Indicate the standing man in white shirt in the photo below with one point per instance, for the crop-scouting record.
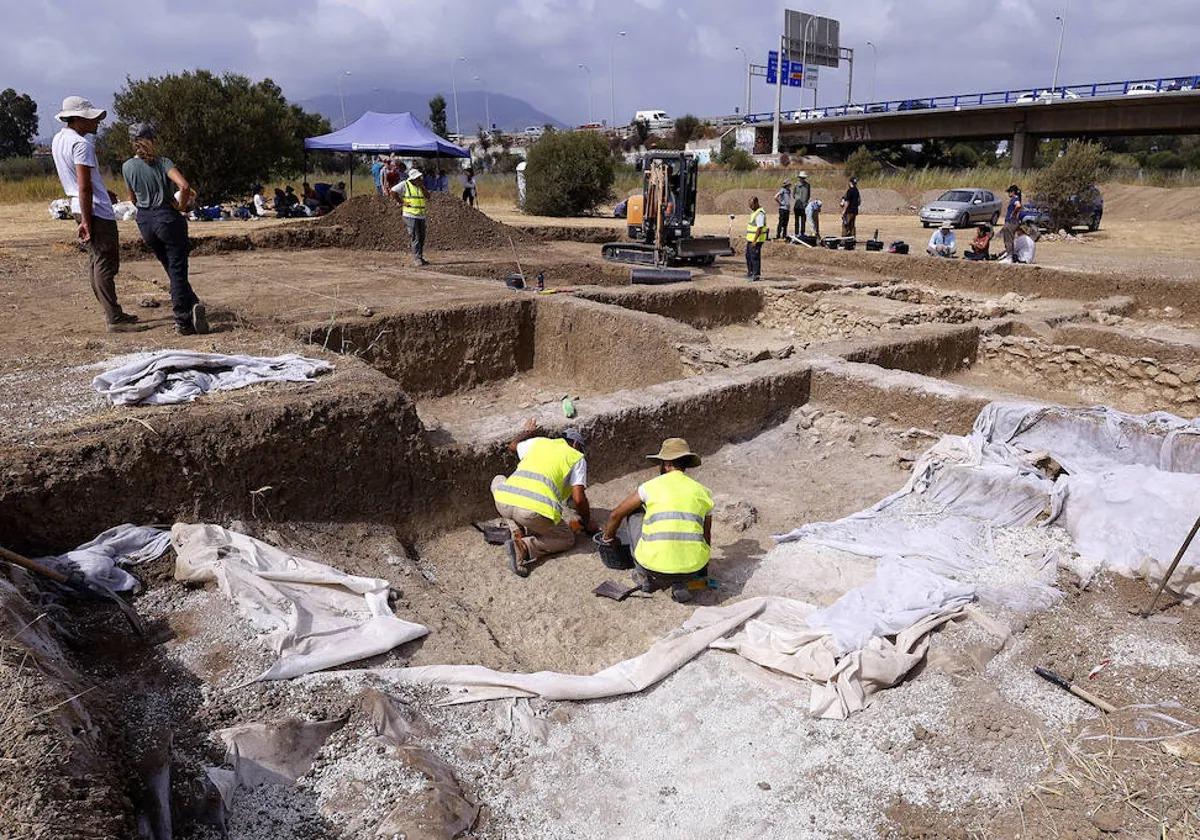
(74, 151)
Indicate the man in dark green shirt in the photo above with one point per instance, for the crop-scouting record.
(151, 180)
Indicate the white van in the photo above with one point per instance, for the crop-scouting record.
(656, 119)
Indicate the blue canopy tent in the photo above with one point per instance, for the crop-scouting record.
(375, 133)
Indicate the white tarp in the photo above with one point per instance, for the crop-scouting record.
(314, 616)
(769, 631)
(98, 559)
(176, 376)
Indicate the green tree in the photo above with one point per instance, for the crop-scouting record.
(437, 115)
(18, 124)
(728, 144)
(570, 172)
(687, 128)
(1057, 187)
(739, 160)
(226, 133)
(862, 164)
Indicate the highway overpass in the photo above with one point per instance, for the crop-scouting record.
(1176, 112)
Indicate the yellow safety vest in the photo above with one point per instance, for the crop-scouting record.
(540, 482)
(672, 539)
(756, 228)
(414, 201)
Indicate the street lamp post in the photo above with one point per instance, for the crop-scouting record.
(874, 68)
(487, 108)
(341, 97)
(1062, 20)
(588, 70)
(612, 82)
(454, 88)
(746, 67)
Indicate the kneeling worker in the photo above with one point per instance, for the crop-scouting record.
(532, 498)
(673, 536)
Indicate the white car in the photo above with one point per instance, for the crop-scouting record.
(1046, 97)
(1142, 89)
(799, 116)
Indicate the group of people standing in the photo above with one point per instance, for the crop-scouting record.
(795, 203)
(666, 521)
(155, 186)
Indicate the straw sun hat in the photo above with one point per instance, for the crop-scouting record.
(676, 449)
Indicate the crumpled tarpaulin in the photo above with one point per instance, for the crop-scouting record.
(98, 559)
(166, 377)
(315, 616)
(770, 631)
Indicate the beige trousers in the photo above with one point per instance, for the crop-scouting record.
(542, 536)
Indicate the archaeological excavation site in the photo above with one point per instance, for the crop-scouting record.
(253, 585)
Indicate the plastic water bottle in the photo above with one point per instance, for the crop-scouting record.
(568, 407)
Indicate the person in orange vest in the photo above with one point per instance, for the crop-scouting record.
(532, 499)
(756, 235)
(669, 522)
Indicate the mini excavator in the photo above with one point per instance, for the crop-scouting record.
(660, 219)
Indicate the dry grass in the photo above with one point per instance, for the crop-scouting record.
(34, 188)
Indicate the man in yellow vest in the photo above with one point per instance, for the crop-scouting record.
(672, 537)
(551, 470)
(414, 198)
(756, 235)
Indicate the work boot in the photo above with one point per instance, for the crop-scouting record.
(680, 593)
(185, 329)
(518, 555)
(123, 327)
(123, 318)
(641, 580)
(200, 319)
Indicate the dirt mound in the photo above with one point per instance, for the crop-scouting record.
(374, 223)
(1135, 202)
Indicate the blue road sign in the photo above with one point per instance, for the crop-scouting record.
(793, 71)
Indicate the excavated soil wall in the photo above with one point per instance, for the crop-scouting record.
(599, 348)
(701, 308)
(930, 350)
(342, 450)
(438, 351)
(1170, 350)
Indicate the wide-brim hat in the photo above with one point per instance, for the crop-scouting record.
(413, 174)
(802, 175)
(77, 106)
(947, 226)
(676, 449)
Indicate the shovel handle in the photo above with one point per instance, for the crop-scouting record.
(32, 566)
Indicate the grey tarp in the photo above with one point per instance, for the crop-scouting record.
(176, 376)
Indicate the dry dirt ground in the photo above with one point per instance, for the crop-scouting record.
(972, 746)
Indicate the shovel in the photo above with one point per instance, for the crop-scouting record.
(77, 582)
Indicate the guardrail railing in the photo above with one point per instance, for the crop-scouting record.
(1022, 96)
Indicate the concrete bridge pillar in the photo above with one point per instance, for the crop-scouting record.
(1024, 150)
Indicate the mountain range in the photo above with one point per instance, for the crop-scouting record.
(474, 106)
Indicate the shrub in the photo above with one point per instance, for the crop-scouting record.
(1073, 174)
(861, 164)
(687, 128)
(1164, 160)
(739, 160)
(568, 173)
(728, 144)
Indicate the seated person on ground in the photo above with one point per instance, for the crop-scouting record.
(980, 245)
(260, 202)
(669, 523)
(337, 194)
(942, 243)
(531, 500)
(1023, 246)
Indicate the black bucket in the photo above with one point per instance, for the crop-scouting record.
(614, 555)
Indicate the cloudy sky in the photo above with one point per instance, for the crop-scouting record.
(678, 56)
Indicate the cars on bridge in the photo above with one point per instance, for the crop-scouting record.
(962, 207)
(1047, 97)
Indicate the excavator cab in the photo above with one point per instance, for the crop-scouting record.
(660, 219)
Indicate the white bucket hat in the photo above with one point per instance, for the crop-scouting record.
(77, 106)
